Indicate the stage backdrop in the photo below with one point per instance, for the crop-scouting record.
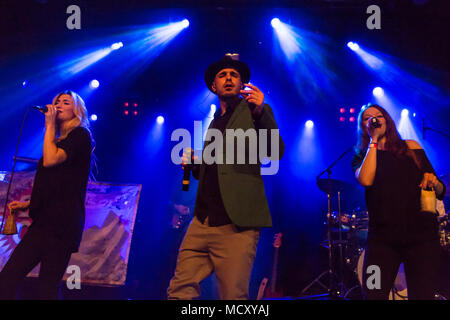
(105, 246)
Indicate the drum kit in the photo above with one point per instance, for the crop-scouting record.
(345, 242)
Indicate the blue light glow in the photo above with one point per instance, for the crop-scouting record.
(94, 84)
(160, 120)
(94, 117)
(185, 23)
(275, 23)
(378, 92)
(405, 113)
(353, 45)
(309, 124)
(117, 45)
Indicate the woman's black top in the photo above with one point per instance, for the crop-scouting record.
(58, 195)
(393, 200)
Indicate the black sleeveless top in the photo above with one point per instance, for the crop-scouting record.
(393, 200)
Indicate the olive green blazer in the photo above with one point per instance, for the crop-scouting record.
(241, 185)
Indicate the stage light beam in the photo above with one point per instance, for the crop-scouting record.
(94, 84)
(116, 45)
(309, 124)
(353, 46)
(185, 23)
(378, 92)
(160, 120)
(275, 23)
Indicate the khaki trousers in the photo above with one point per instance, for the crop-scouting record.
(225, 250)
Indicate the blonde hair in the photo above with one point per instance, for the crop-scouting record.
(81, 115)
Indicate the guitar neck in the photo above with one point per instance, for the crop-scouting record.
(273, 281)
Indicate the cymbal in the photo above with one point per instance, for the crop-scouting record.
(332, 186)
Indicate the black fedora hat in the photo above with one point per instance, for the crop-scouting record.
(228, 61)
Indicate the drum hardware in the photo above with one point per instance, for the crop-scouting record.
(336, 288)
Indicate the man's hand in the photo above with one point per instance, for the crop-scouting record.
(184, 159)
(254, 96)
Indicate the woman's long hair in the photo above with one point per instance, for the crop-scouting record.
(394, 143)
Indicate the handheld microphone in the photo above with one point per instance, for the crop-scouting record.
(374, 123)
(39, 108)
(187, 170)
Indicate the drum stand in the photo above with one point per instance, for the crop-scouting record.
(336, 288)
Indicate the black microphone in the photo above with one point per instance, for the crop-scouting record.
(374, 123)
(187, 170)
(39, 108)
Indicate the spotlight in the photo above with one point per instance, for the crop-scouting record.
(378, 92)
(125, 112)
(25, 83)
(126, 104)
(185, 23)
(160, 120)
(341, 119)
(353, 45)
(405, 113)
(351, 119)
(352, 110)
(414, 114)
(93, 117)
(342, 110)
(135, 112)
(116, 45)
(275, 23)
(94, 84)
(309, 124)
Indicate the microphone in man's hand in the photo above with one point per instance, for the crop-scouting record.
(39, 108)
(374, 123)
(187, 169)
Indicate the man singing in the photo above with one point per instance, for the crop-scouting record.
(231, 205)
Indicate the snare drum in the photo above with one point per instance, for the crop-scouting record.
(399, 291)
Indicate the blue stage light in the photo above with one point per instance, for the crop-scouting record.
(93, 117)
(378, 92)
(353, 45)
(94, 84)
(25, 83)
(160, 120)
(185, 23)
(275, 23)
(117, 45)
(405, 112)
(309, 124)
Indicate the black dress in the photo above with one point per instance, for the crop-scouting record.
(398, 230)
